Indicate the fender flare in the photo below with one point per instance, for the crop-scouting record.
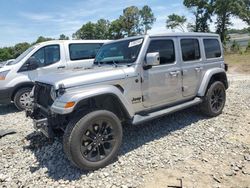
(78, 95)
(206, 79)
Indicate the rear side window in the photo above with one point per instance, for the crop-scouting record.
(83, 51)
(190, 49)
(47, 55)
(212, 48)
(165, 49)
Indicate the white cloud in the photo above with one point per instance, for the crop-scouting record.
(238, 23)
(36, 17)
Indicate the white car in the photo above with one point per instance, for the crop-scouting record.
(16, 79)
(8, 62)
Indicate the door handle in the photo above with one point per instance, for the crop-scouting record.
(198, 69)
(174, 73)
(61, 67)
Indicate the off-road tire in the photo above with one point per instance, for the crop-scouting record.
(76, 130)
(18, 95)
(208, 107)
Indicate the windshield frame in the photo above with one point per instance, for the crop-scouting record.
(22, 56)
(115, 60)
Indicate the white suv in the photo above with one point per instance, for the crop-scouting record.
(16, 78)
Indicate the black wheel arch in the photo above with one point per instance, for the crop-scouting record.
(108, 102)
(221, 76)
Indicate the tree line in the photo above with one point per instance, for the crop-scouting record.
(204, 10)
(134, 21)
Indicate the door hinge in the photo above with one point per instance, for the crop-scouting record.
(182, 89)
(142, 98)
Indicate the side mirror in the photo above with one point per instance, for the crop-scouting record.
(32, 63)
(152, 59)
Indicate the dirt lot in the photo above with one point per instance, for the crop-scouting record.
(238, 63)
(186, 145)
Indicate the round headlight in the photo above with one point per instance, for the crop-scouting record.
(53, 93)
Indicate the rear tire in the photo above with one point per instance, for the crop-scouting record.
(93, 140)
(215, 99)
(22, 98)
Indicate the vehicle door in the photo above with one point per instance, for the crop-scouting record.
(82, 54)
(45, 60)
(192, 65)
(162, 83)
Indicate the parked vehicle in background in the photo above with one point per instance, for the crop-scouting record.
(134, 80)
(16, 78)
(8, 62)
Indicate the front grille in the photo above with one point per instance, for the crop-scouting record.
(42, 94)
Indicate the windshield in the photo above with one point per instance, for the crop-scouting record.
(123, 52)
(20, 57)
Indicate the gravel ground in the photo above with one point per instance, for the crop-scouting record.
(201, 152)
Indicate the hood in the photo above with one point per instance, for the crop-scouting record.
(74, 78)
(5, 68)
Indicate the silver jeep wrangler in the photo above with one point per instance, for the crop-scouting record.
(133, 80)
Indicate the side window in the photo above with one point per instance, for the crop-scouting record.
(47, 55)
(190, 49)
(83, 51)
(165, 49)
(212, 48)
(52, 54)
(39, 56)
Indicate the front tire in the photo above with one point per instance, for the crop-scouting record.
(92, 141)
(215, 99)
(22, 98)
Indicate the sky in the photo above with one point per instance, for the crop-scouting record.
(26, 20)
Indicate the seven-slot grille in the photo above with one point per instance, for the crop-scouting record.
(42, 94)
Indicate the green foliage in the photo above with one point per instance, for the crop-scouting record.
(132, 22)
(227, 9)
(202, 10)
(147, 18)
(63, 37)
(235, 47)
(20, 48)
(42, 39)
(115, 29)
(224, 10)
(87, 31)
(13, 52)
(175, 21)
(6, 53)
(102, 29)
(99, 30)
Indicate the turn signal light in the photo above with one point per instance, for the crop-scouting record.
(69, 104)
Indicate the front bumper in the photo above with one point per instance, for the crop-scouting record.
(5, 95)
(45, 121)
(41, 120)
(43, 126)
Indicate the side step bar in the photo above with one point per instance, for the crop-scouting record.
(142, 118)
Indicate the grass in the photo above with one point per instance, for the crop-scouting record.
(238, 62)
